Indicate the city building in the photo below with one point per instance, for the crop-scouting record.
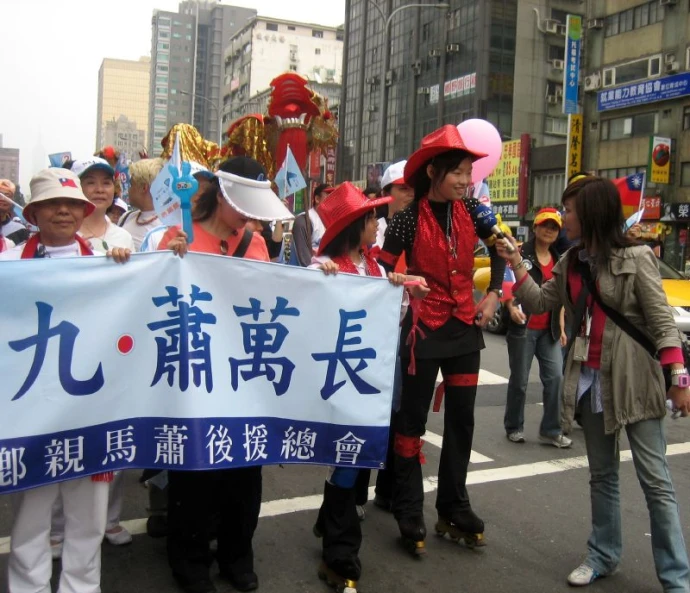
(636, 87)
(265, 48)
(9, 163)
(123, 91)
(125, 135)
(187, 66)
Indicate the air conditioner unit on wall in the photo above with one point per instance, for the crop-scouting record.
(595, 24)
(562, 30)
(417, 67)
(434, 53)
(423, 90)
(551, 26)
(668, 58)
(671, 67)
(557, 64)
(453, 48)
(371, 107)
(372, 80)
(552, 99)
(592, 82)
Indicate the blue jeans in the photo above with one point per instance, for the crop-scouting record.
(522, 348)
(648, 446)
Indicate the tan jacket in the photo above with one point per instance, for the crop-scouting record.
(632, 383)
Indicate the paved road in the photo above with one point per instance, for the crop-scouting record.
(533, 498)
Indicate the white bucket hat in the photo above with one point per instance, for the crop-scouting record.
(54, 183)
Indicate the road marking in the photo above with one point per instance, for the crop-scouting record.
(485, 378)
(437, 440)
(274, 508)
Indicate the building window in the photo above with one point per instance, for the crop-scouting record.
(558, 126)
(640, 16)
(556, 52)
(163, 46)
(317, 51)
(188, 37)
(293, 67)
(686, 117)
(271, 26)
(685, 174)
(317, 34)
(161, 79)
(163, 22)
(642, 124)
(633, 71)
(161, 68)
(163, 35)
(291, 28)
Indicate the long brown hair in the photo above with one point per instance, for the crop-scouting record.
(598, 208)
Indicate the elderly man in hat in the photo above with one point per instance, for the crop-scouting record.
(58, 207)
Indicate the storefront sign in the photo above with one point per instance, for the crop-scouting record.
(680, 211)
(571, 72)
(640, 93)
(652, 208)
(574, 164)
(504, 181)
(659, 159)
(330, 165)
(454, 88)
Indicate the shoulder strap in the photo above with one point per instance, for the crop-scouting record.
(244, 244)
(618, 318)
(125, 217)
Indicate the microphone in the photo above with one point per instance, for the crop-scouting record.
(485, 221)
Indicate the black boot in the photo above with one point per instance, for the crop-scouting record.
(342, 534)
(413, 533)
(465, 525)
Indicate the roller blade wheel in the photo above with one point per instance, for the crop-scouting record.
(335, 581)
(466, 527)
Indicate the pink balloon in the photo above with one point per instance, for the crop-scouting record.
(482, 136)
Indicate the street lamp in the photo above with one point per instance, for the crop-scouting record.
(385, 63)
(215, 106)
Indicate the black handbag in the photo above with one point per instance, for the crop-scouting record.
(620, 320)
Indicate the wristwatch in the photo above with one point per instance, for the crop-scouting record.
(498, 291)
(680, 378)
(524, 263)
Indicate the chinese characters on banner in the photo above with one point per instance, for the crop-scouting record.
(330, 165)
(659, 159)
(571, 72)
(640, 93)
(202, 364)
(574, 153)
(505, 180)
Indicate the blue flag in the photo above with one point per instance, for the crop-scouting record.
(289, 178)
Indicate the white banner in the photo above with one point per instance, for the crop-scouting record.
(196, 363)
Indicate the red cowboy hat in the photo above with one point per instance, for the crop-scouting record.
(345, 204)
(444, 139)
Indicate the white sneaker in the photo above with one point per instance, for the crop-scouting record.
(585, 575)
(55, 550)
(121, 537)
(560, 441)
(516, 437)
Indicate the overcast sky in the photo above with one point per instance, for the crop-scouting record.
(51, 52)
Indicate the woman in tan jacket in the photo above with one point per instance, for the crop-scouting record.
(611, 382)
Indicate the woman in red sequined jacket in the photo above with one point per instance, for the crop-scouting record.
(443, 331)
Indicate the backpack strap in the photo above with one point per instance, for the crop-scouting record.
(244, 244)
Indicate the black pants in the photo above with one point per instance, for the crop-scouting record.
(458, 430)
(194, 499)
(341, 529)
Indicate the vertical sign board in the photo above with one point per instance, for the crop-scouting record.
(571, 72)
(659, 159)
(574, 152)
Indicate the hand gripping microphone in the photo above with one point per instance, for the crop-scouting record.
(485, 222)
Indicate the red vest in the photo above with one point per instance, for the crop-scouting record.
(448, 277)
(347, 266)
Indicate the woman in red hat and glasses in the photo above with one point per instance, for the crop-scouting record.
(351, 225)
(437, 236)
